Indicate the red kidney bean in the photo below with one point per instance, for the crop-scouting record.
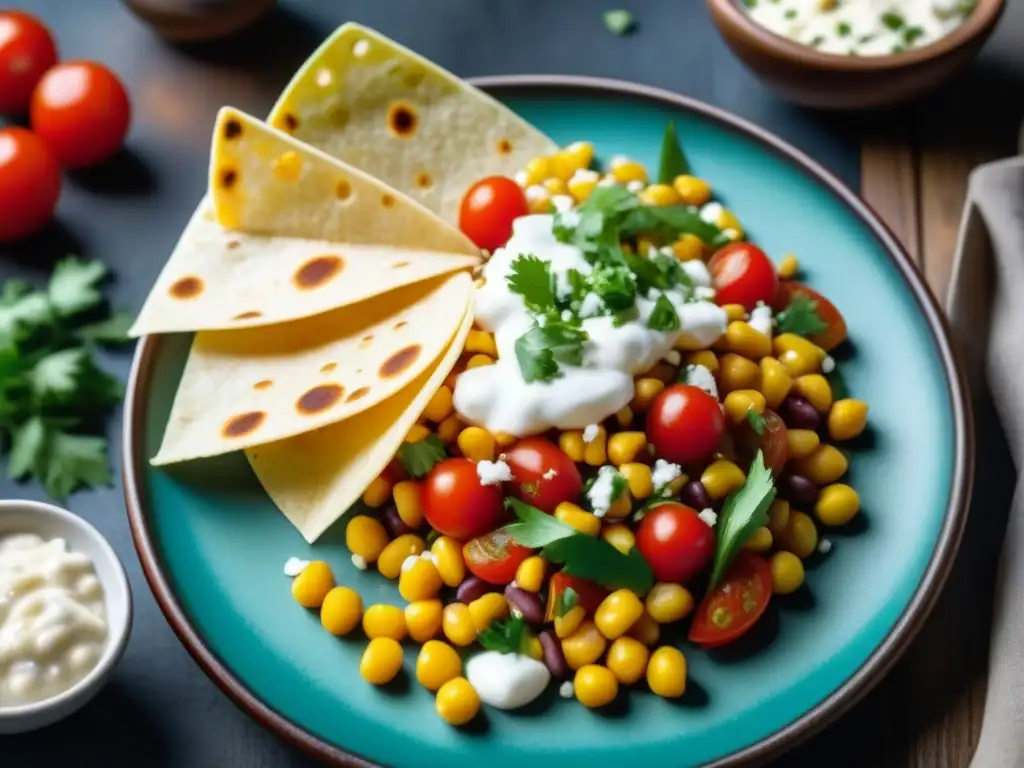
(527, 603)
(395, 524)
(695, 495)
(472, 588)
(798, 413)
(554, 659)
(798, 490)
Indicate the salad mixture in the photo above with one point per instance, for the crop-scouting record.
(564, 403)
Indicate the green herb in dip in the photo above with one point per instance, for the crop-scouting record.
(861, 27)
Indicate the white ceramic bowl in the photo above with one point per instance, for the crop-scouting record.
(51, 522)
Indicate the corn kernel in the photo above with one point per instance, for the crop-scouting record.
(638, 479)
(847, 419)
(825, 465)
(778, 517)
(581, 153)
(584, 646)
(595, 452)
(775, 382)
(744, 339)
(787, 573)
(423, 619)
(735, 313)
(457, 624)
(478, 361)
(486, 609)
(737, 372)
(581, 520)
(691, 190)
(739, 402)
(448, 558)
(391, 558)
(815, 388)
(625, 171)
(571, 444)
(449, 429)
(381, 661)
(837, 504)
(384, 621)
(313, 584)
(505, 439)
(659, 194)
(481, 342)
(377, 493)
(624, 417)
(421, 581)
(538, 170)
(624, 447)
(619, 536)
(669, 602)
(530, 573)
(645, 392)
(761, 541)
(704, 357)
(788, 267)
(407, 502)
(440, 406)
(800, 535)
(556, 186)
(722, 477)
(477, 444)
(365, 536)
(582, 184)
(416, 433)
(688, 248)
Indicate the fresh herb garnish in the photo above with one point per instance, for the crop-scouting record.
(535, 529)
(615, 284)
(53, 395)
(817, 41)
(790, 14)
(419, 458)
(744, 512)
(505, 635)
(619, 21)
(531, 278)
(912, 34)
(892, 20)
(750, 3)
(663, 316)
(539, 350)
(673, 160)
(801, 317)
(757, 422)
(843, 29)
(566, 602)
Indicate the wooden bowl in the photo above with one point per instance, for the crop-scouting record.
(809, 77)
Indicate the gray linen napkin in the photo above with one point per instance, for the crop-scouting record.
(986, 312)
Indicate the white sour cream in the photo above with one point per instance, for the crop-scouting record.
(860, 27)
(499, 399)
(507, 680)
(53, 624)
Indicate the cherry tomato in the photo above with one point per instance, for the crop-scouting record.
(735, 605)
(590, 594)
(828, 339)
(26, 52)
(494, 557)
(81, 110)
(457, 505)
(685, 424)
(542, 475)
(771, 442)
(29, 183)
(488, 210)
(742, 274)
(675, 542)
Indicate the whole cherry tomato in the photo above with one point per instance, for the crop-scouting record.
(456, 504)
(828, 339)
(675, 542)
(742, 274)
(494, 557)
(542, 475)
(589, 593)
(26, 52)
(29, 183)
(685, 424)
(735, 605)
(81, 110)
(772, 442)
(488, 210)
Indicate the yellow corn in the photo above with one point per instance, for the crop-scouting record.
(416, 433)
(778, 517)
(787, 573)
(530, 573)
(659, 194)
(538, 199)
(744, 339)
(800, 535)
(825, 465)
(797, 354)
(420, 581)
(477, 444)
(457, 624)
(788, 267)
(646, 630)
(571, 443)
(801, 442)
(621, 506)
(669, 602)
(584, 646)
(837, 504)
(619, 536)
(391, 558)
(666, 672)
(704, 357)
(595, 452)
(624, 447)
(617, 613)
(735, 313)
(563, 166)
(582, 521)
(663, 372)
(737, 372)
(741, 401)
(384, 621)
(688, 248)
(481, 342)
(407, 502)
(478, 361)
(624, 417)
(626, 171)
(381, 661)
(761, 541)
(727, 220)
(595, 686)
(638, 478)
(847, 419)
(311, 587)
(775, 381)
(582, 184)
(537, 170)
(645, 391)
(566, 624)
(423, 619)
(440, 406)
(447, 554)
(377, 493)
(816, 389)
(457, 702)
(342, 610)
(580, 153)
(722, 477)
(436, 664)
(366, 537)
(486, 609)
(449, 429)
(691, 190)
(627, 660)
(505, 439)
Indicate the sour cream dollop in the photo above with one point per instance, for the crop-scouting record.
(498, 398)
(507, 680)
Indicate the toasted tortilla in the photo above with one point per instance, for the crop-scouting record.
(252, 386)
(373, 103)
(314, 478)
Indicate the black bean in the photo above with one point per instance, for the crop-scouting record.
(471, 589)
(394, 523)
(798, 413)
(527, 603)
(695, 495)
(798, 490)
(553, 656)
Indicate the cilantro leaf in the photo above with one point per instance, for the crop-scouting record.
(619, 22)
(420, 457)
(673, 160)
(568, 600)
(56, 375)
(27, 445)
(595, 559)
(615, 285)
(536, 361)
(608, 201)
(757, 422)
(112, 330)
(531, 278)
(75, 460)
(535, 528)
(21, 314)
(74, 285)
(663, 316)
(801, 317)
(669, 222)
(744, 512)
(505, 636)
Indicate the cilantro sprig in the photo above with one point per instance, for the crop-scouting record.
(745, 511)
(419, 458)
(53, 396)
(801, 317)
(673, 160)
(506, 635)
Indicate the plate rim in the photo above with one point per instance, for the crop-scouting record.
(837, 703)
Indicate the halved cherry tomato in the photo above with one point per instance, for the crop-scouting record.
(26, 52)
(542, 475)
(494, 557)
(29, 183)
(742, 274)
(81, 110)
(488, 210)
(735, 605)
(590, 594)
(685, 424)
(457, 505)
(675, 542)
(836, 332)
(771, 442)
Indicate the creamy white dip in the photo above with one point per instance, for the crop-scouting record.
(53, 624)
(507, 680)
(860, 27)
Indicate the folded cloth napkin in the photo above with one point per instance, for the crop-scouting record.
(987, 318)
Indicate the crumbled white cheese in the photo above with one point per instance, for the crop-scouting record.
(360, 562)
(824, 546)
(709, 516)
(673, 357)
(711, 212)
(409, 562)
(590, 433)
(563, 203)
(600, 493)
(617, 160)
(591, 306)
(828, 364)
(698, 273)
(731, 233)
(567, 315)
(703, 293)
(493, 472)
(537, 194)
(761, 319)
(429, 556)
(701, 376)
(563, 288)
(569, 218)
(520, 178)
(607, 181)
(664, 473)
(551, 474)
(635, 186)
(567, 690)
(294, 566)
(584, 175)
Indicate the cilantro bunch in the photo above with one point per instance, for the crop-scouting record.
(54, 398)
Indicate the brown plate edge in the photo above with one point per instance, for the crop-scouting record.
(840, 700)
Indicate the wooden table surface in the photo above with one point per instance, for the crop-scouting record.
(912, 165)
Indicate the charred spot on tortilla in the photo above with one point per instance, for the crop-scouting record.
(366, 341)
(328, 367)
(399, 325)
(187, 287)
(288, 122)
(402, 119)
(319, 398)
(342, 189)
(504, 147)
(228, 177)
(232, 244)
(388, 201)
(338, 115)
(264, 384)
(232, 129)
(423, 180)
(252, 314)
(400, 264)
(399, 361)
(317, 271)
(288, 166)
(358, 393)
(244, 423)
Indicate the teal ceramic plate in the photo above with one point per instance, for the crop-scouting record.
(213, 545)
